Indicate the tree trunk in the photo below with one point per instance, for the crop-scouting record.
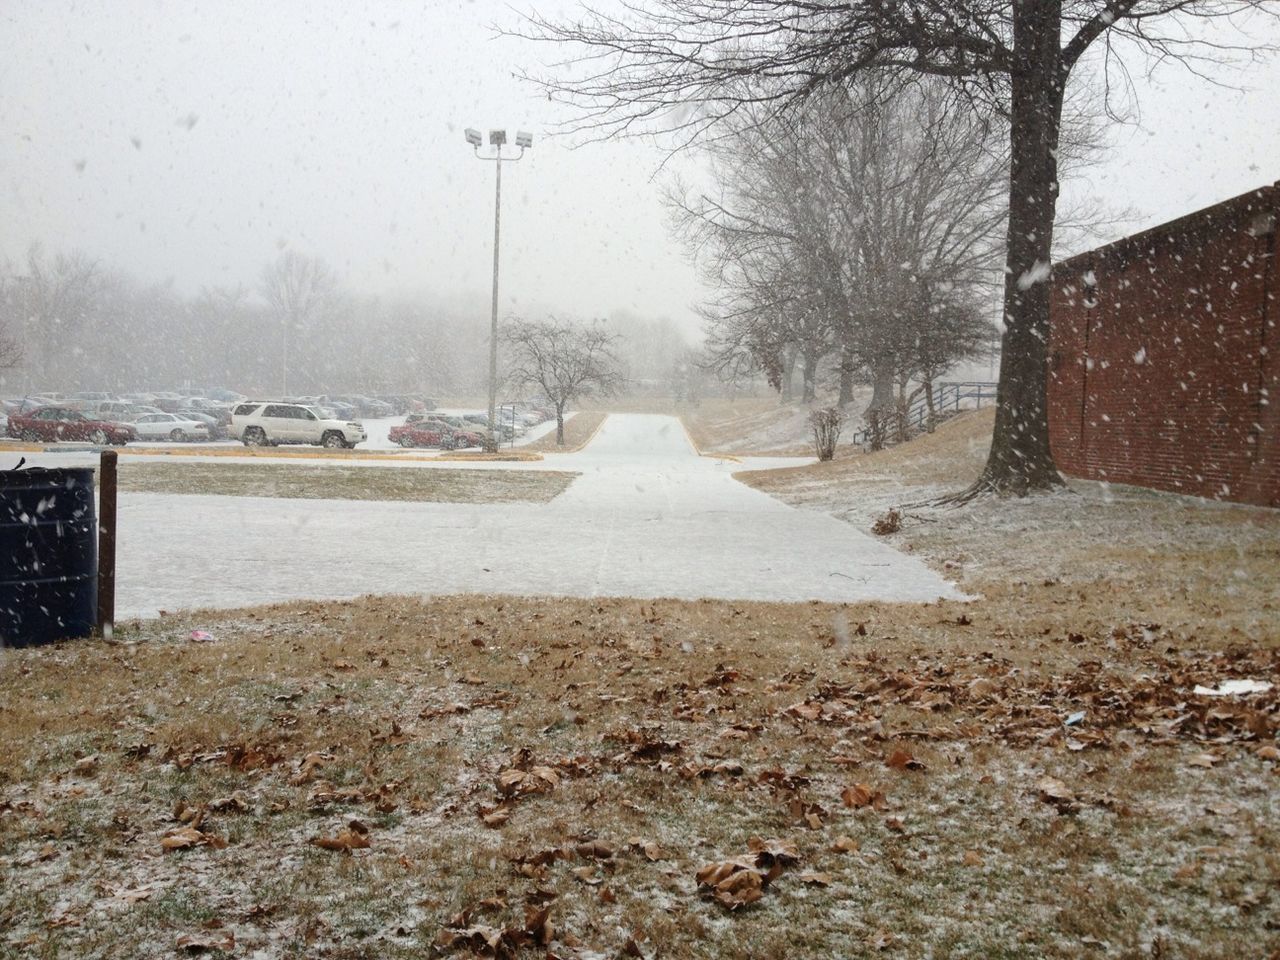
(1020, 461)
(810, 376)
(846, 378)
(559, 425)
(788, 373)
(932, 420)
(881, 392)
(900, 411)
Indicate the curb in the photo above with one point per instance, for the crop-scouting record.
(710, 456)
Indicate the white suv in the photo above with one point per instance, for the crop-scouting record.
(260, 423)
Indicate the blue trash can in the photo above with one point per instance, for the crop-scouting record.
(48, 555)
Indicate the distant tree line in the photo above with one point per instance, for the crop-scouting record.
(71, 322)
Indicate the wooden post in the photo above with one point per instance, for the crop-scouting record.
(107, 544)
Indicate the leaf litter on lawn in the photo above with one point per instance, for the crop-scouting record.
(669, 763)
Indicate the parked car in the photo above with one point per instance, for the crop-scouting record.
(479, 423)
(467, 438)
(167, 400)
(261, 423)
(340, 406)
(370, 407)
(169, 426)
(121, 411)
(423, 433)
(62, 423)
(216, 428)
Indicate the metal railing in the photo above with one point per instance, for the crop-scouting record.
(948, 395)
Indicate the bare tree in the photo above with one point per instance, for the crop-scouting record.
(687, 65)
(565, 361)
(952, 329)
(11, 299)
(54, 301)
(833, 227)
(299, 290)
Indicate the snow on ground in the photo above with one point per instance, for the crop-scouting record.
(646, 518)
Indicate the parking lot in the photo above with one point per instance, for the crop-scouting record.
(378, 430)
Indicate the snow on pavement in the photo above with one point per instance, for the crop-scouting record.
(647, 517)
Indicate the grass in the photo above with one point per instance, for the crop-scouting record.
(578, 430)
(345, 483)
(419, 705)
(403, 713)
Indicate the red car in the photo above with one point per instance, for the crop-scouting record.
(63, 423)
(422, 433)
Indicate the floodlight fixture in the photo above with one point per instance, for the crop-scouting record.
(473, 137)
(523, 139)
(497, 138)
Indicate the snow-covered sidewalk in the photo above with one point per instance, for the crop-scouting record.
(646, 518)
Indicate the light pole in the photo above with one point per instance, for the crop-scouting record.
(497, 139)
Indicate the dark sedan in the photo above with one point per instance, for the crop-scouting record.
(63, 423)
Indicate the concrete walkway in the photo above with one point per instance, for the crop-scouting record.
(647, 517)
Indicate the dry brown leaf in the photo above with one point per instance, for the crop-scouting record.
(354, 836)
(864, 795)
(135, 894)
(880, 940)
(1053, 791)
(902, 760)
(186, 837)
(200, 942)
(537, 924)
(594, 850)
(972, 858)
(1268, 751)
(808, 710)
(310, 764)
(816, 879)
(650, 849)
(480, 939)
(845, 845)
(733, 883)
(982, 688)
(772, 851)
(519, 783)
(236, 803)
(1206, 760)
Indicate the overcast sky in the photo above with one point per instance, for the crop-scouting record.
(192, 141)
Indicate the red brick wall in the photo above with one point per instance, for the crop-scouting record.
(1164, 351)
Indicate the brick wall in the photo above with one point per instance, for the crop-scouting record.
(1164, 351)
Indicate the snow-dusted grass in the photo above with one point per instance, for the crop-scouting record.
(691, 726)
(579, 428)
(401, 714)
(1175, 560)
(308, 481)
